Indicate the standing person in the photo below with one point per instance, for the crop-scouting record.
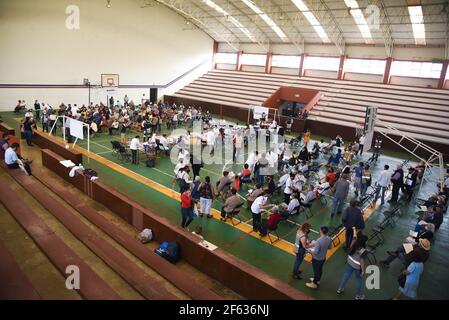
(341, 193)
(186, 207)
(206, 198)
(398, 181)
(289, 188)
(301, 245)
(52, 121)
(366, 180)
(256, 208)
(37, 109)
(358, 178)
(238, 145)
(45, 120)
(355, 264)
(377, 147)
(352, 218)
(382, 184)
(111, 101)
(410, 182)
(306, 138)
(134, 146)
(319, 250)
(125, 100)
(28, 131)
(412, 274)
(196, 165)
(361, 143)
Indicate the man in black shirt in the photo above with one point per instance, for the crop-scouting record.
(37, 109)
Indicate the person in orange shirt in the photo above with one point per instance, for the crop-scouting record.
(307, 137)
(330, 176)
(237, 182)
(186, 207)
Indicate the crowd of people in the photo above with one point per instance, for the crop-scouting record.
(293, 169)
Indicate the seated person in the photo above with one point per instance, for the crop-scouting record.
(330, 177)
(315, 150)
(230, 204)
(293, 159)
(4, 145)
(224, 185)
(308, 198)
(282, 180)
(14, 161)
(293, 205)
(253, 195)
(323, 188)
(419, 253)
(271, 223)
(303, 168)
(335, 159)
(162, 144)
(245, 176)
(304, 154)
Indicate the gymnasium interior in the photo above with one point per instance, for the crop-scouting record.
(107, 106)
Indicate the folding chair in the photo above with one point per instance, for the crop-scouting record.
(273, 232)
(235, 214)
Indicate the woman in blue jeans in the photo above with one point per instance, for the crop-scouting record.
(301, 245)
(355, 264)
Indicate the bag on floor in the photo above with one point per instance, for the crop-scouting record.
(89, 173)
(170, 251)
(145, 236)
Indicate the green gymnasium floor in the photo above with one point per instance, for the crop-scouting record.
(272, 260)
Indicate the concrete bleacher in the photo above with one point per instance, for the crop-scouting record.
(417, 112)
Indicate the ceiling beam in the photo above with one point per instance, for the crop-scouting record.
(329, 23)
(203, 21)
(384, 25)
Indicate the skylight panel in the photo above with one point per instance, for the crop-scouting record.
(417, 19)
(360, 20)
(231, 19)
(312, 20)
(267, 20)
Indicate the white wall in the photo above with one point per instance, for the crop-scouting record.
(145, 46)
(320, 74)
(410, 81)
(363, 77)
(289, 71)
(253, 68)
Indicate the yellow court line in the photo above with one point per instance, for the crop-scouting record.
(244, 227)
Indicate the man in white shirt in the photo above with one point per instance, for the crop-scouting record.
(293, 206)
(257, 207)
(361, 143)
(382, 183)
(163, 144)
(210, 141)
(289, 188)
(14, 161)
(134, 146)
(238, 145)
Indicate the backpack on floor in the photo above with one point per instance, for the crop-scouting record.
(170, 251)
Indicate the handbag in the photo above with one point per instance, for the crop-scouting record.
(401, 280)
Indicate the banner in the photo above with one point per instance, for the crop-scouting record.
(258, 111)
(76, 129)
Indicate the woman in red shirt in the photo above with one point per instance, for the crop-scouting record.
(186, 207)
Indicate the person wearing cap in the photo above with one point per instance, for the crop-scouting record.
(319, 249)
(420, 253)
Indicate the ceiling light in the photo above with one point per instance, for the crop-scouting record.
(108, 5)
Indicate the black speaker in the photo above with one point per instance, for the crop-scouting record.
(153, 95)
